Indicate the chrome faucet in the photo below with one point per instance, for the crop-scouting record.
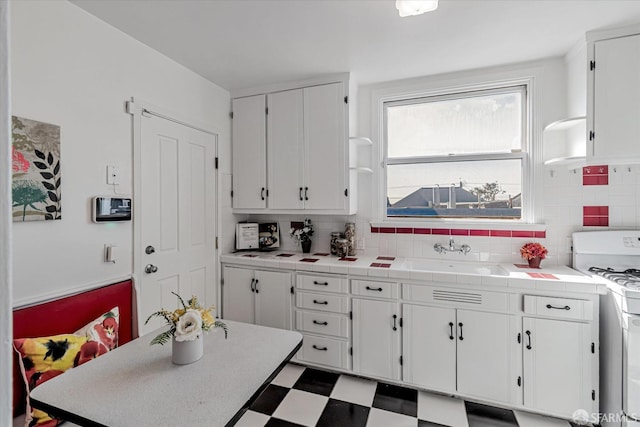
(464, 249)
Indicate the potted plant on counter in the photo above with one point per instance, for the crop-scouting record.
(534, 253)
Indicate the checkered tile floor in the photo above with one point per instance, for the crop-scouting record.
(301, 396)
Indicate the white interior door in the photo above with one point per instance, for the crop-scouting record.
(177, 220)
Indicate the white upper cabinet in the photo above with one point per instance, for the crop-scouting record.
(249, 152)
(300, 161)
(614, 99)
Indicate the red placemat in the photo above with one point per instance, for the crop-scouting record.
(387, 258)
(309, 260)
(346, 258)
(285, 255)
(321, 254)
(380, 265)
(250, 255)
(543, 276)
(525, 266)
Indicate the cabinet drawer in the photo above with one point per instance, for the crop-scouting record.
(322, 323)
(322, 283)
(322, 302)
(456, 297)
(324, 351)
(374, 289)
(564, 308)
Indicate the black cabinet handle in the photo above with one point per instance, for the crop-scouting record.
(460, 325)
(566, 307)
(315, 322)
(528, 333)
(369, 288)
(519, 381)
(315, 282)
(319, 348)
(256, 286)
(315, 301)
(450, 330)
(395, 317)
(253, 281)
(300, 194)
(262, 193)
(306, 196)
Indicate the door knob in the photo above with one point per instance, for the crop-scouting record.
(150, 268)
(149, 250)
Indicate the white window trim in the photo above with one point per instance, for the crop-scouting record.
(464, 82)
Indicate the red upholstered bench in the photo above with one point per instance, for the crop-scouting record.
(66, 315)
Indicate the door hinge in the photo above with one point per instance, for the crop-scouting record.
(401, 361)
(593, 395)
(129, 107)
(346, 99)
(592, 135)
(216, 242)
(222, 281)
(519, 381)
(593, 348)
(267, 192)
(592, 65)
(232, 194)
(231, 114)
(346, 192)
(351, 315)
(216, 163)
(292, 290)
(350, 351)
(519, 338)
(400, 322)
(266, 110)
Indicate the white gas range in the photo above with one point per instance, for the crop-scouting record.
(614, 256)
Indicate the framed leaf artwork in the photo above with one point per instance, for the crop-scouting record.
(35, 170)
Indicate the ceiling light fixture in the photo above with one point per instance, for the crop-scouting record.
(415, 7)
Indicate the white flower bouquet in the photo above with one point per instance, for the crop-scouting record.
(302, 234)
(187, 323)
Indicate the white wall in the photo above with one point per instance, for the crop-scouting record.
(75, 71)
(6, 329)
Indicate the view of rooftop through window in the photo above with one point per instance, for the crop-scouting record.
(457, 155)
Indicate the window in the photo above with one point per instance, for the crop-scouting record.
(459, 155)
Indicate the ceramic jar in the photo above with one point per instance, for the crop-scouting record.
(342, 247)
(350, 235)
(334, 246)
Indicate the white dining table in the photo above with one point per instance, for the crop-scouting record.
(138, 385)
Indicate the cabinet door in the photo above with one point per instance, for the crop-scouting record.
(485, 365)
(249, 153)
(326, 145)
(273, 299)
(557, 368)
(285, 150)
(617, 98)
(376, 338)
(429, 347)
(237, 294)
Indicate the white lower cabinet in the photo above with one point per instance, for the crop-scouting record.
(464, 351)
(376, 338)
(558, 362)
(257, 296)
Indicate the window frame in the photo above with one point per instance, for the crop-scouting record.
(532, 167)
(519, 154)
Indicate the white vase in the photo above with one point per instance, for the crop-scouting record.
(185, 352)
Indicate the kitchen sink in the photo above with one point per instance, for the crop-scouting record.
(479, 268)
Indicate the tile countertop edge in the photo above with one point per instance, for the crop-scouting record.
(399, 271)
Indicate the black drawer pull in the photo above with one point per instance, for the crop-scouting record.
(566, 307)
(395, 317)
(320, 348)
(315, 282)
(315, 301)
(461, 337)
(315, 322)
(528, 333)
(450, 330)
(300, 193)
(369, 288)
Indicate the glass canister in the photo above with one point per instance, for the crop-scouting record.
(350, 235)
(334, 237)
(342, 246)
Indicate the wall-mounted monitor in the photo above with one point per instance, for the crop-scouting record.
(110, 209)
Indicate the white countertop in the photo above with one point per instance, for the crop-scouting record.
(557, 278)
(137, 384)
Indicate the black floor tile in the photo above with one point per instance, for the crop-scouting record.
(489, 416)
(396, 399)
(269, 399)
(316, 381)
(422, 423)
(275, 422)
(339, 413)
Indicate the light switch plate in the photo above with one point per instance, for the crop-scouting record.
(113, 175)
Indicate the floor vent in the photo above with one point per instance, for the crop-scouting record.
(463, 297)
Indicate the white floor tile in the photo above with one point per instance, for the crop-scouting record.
(380, 418)
(252, 419)
(443, 410)
(288, 376)
(527, 419)
(301, 407)
(354, 390)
